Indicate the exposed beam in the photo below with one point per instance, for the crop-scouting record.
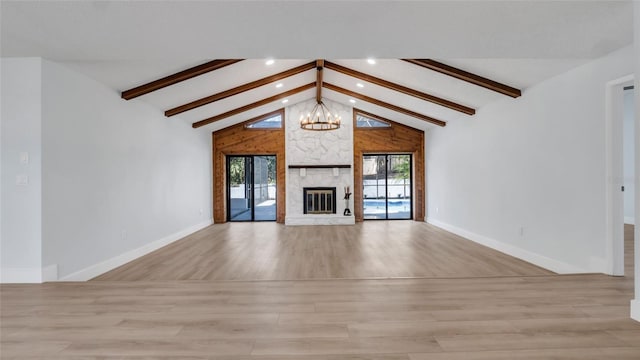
(240, 89)
(319, 66)
(466, 76)
(384, 104)
(177, 77)
(403, 89)
(253, 105)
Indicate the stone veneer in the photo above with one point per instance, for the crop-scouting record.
(304, 147)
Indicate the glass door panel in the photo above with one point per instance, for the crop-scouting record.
(239, 180)
(387, 186)
(399, 187)
(264, 188)
(374, 178)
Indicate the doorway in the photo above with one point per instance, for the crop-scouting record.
(251, 188)
(629, 171)
(615, 173)
(386, 185)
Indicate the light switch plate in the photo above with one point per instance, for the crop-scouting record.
(24, 158)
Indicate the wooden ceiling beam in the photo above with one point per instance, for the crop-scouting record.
(319, 66)
(253, 105)
(177, 77)
(384, 104)
(240, 89)
(466, 76)
(397, 87)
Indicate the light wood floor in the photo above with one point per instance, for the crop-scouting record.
(500, 317)
(270, 251)
(536, 317)
(628, 250)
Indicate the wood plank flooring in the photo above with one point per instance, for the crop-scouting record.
(628, 250)
(535, 317)
(270, 251)
(472, 318)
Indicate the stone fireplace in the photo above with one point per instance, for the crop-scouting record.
(318, 159)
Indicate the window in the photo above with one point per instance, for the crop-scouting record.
(269, 121)
(363, 121)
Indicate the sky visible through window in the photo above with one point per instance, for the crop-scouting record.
(367, 122)
(270, 122)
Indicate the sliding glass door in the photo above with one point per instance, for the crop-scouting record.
(387, 186)
(251, 188)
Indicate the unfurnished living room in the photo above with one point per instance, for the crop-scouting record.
(361, 180)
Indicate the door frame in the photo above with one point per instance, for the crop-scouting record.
(386, 183)
(614, 199)
(252, 188)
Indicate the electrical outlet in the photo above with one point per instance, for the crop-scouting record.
(123, 235)
(22, 180)
(521, 230)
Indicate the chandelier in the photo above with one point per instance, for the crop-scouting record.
(320, 117)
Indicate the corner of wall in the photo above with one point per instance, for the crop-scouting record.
(50, 273)
(635, 309)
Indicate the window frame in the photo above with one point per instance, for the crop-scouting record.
(357, 112)
(259, 118)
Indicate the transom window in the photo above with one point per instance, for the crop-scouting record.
(364, 121)
(269, 121)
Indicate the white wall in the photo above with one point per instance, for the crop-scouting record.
(118, 178)
(117, 175)
(526, 175)
(20, 244)
(628, 158)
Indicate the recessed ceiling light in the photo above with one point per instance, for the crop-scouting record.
(285, 101)
(279, 85)
(371, 61)
(352, 101)
(360, 85)
(269, 62)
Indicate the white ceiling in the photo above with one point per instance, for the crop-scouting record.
(128, 43)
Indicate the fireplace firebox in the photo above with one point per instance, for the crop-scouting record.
(319, 200)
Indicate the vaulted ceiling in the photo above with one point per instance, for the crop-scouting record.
(126, 44)
(422, 90)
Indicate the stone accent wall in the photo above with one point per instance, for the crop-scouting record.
(304, 147)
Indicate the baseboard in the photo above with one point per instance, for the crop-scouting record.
(635, 309)
(629, 220)
(528, 256)
(21, 275)
(110, 264)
